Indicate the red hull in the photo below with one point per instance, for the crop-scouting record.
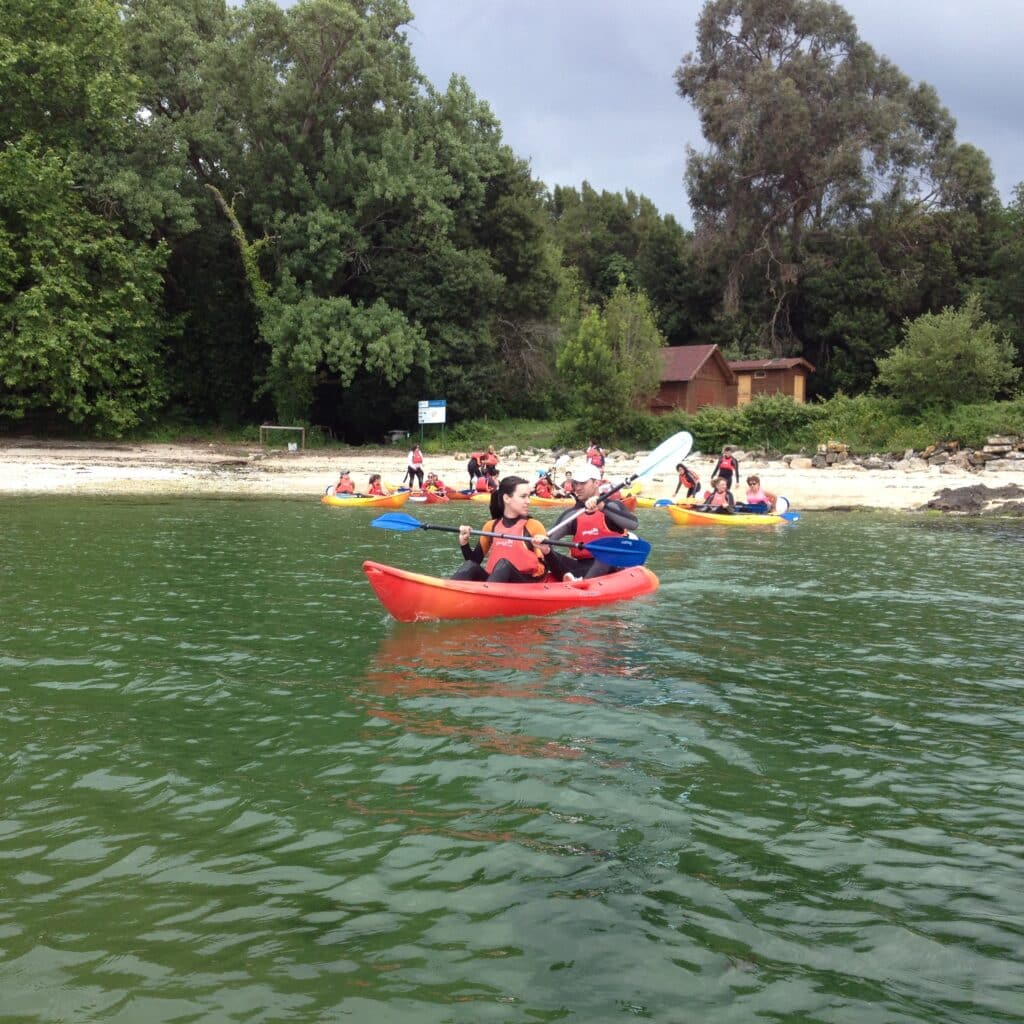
(411, 597)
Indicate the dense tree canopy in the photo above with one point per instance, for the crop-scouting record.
(219, 214)
(80, 307)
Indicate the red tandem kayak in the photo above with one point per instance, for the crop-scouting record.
(411, 596)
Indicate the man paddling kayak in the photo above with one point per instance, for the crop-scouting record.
(590, 519)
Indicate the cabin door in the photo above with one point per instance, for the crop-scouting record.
(743, 388)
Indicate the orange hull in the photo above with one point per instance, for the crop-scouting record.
(413, 597)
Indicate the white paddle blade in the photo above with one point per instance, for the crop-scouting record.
(562, 460)
(781, 506)
(674, 450)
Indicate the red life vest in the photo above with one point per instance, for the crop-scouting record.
(344, 487)
(542, 489)
(376, 490)
(523, 556)
(595, 457)
(481, 484)
(720, 498)
(688, 477)
(416, 456)
(727, 462)
(591, 526)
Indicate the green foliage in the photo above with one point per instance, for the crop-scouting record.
(949, 357)
(312, 332)
(611, 366)
(972, 425)
(62, 74)
(866, 423)
(591, 374)
(776, 422)
(1001, 285)
(80, 300)
(79, 304)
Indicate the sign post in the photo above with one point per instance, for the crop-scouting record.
(433, 411)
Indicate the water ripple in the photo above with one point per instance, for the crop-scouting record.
(788, 786)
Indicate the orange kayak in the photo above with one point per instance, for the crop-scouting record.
(413, 597)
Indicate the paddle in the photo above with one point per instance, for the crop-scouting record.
(620, 552)
(676, 448)
(782, 510)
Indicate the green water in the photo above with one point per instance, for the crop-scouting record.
(787, 787)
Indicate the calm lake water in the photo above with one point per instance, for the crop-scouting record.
(787, 787)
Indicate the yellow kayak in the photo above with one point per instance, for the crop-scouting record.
(642, 502)
(366, 500)
(683, 516)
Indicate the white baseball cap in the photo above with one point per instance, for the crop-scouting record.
(588, 472)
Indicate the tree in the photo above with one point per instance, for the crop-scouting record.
(591, 374)
(360, 199)
(79, 309)
(948, 358)
(611, 366)
(809, 131)
(1002, 287)
(80, 293)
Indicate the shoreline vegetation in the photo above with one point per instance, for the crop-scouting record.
(34, 468)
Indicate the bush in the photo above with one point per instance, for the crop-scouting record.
(947, 358)
(777, 422)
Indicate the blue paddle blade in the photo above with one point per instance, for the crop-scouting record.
(790, 517)
(396, 521)
(663, 503)
(621, 552)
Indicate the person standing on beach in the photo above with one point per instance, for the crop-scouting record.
(414, 467)
(727, 467)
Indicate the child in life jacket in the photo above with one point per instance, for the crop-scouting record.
(376, 488)
(344, 484)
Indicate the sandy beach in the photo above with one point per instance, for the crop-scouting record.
(30, 467)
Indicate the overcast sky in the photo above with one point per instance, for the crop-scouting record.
(584, 89)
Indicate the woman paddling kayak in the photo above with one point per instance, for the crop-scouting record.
(509, 558)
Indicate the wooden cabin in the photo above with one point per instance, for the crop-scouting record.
(770, 377)
(693, 376)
